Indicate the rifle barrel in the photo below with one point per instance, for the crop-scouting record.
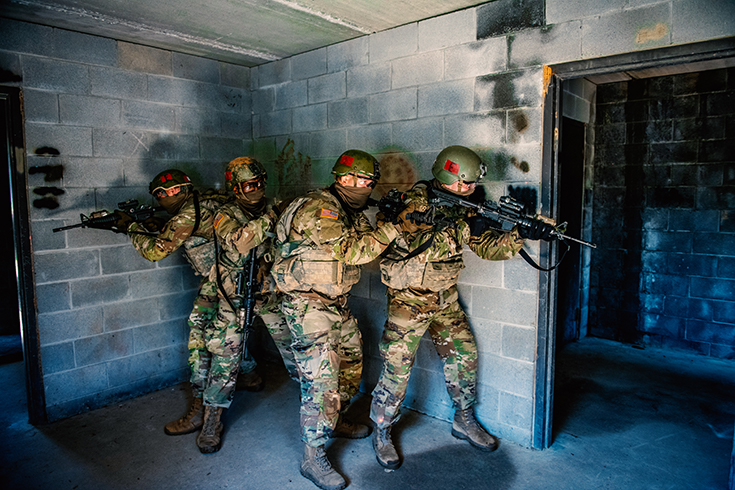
(69, 227)
(581, 242)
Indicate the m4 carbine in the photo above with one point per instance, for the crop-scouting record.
(105, 220)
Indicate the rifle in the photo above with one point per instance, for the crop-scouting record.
(504, 214)
(245, 290)
(105, 220)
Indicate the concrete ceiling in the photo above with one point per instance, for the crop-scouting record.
(245, 32)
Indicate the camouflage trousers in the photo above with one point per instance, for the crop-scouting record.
(275, 321)
(327, 347)
(410, 314)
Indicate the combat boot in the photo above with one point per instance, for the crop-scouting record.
(209, 439)
(350, 430)
(316, 467)
(385, 451)
(190, 422)
(466, 426)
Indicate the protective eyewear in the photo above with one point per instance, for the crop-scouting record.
(252, 185)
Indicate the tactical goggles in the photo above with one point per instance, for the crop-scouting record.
(161, 192)
(252, 185)
(362, 181)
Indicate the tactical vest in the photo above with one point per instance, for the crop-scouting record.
(199, 249)
(301, 265)
(417, 272)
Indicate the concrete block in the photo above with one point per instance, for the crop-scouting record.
(264, 100)
(328, 143)
(75, 383)
(519, 343)
(550, 44)
(372, 139)
(726, 268)
(481, 272)
(509, 90)
(93, 172)
(171, 306)
(167, 278)
(291, 94)
(116, 260)
(348, 112)
(55, 75)
(61, 266)
(274, 72)
(57, 358)
(680, 242)
(220, 98)
(118, 84)
(696, 21)
(371, 79)
(195, 68)
(474, 130)
(236, 126)
(196, 121)
(558, 11)
(419, 134)
(144, 59)
(488, 335)
(508, 375)
(80, 110)
(347, 54)
(23, 37)
(146, 115)
(273, 123)
(53, 297)
(393, 106)
(264, 149)
(626, 31)
(327, 87)
(524, 126)
(447, 98)
(705, 287)
(172, 91)
(394, 43)
(692, 265)
(310, 118)
(516, 411)
(10, 64)
(309, 65)
(474, 59)
(234, 75)
(118, 316)
(98, 290)
(447, 30)
(102, 348)
(174, 147)
(670, 285)
(121, 143)
(519, 275)
(505, 306)
(504, 16)
(73, 202)
(417, 70)
(84, 48)
(146, 365)
(69, 325)
(42, 107)
(160, 335)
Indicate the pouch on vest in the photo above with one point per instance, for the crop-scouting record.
(200, 253)
(432, 276)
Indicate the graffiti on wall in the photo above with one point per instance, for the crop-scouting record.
(397, 170)
(51, 173)
(293, 171)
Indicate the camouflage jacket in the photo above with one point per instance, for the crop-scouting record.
(437, 268)
(180, 231)
(320, 245)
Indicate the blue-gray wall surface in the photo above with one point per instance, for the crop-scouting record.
(113, 325)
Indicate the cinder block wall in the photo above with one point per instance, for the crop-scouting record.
(664, 191)
(111, 115)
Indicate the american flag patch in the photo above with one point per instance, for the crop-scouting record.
(452, 167)
(328, 213)
(346, 160)
(217, 219)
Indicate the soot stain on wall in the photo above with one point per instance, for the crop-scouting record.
(51, 173)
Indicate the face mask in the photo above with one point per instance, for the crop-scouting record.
(172, 204)
(354, 197)
(465, 193)
(252, 202)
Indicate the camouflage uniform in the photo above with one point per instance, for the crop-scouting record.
(422, 294)
(237, 232)
(198, 247)
(321, 246)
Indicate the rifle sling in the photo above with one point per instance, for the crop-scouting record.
(533, 264)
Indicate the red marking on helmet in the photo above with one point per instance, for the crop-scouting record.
(452, 167)
(228, 175)
(346, 160)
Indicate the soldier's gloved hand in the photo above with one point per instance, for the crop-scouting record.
(154, 223)
(122, 220)
(537, 231)
(409, 226)
(479, 225)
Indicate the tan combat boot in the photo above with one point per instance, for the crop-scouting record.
(385, 451)
(316, 467)
(466, 426)
(190, 422)
(209, 439)
(350, 430)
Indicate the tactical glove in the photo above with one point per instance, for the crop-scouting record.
(538, 230)
(154, 223)
(122, 220)
(479, 225)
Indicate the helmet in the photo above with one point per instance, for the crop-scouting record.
(458, 163)
(169, 179)
(357, 162)
(243, 169)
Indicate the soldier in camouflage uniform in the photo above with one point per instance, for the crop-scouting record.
(322, 238)
(240, 226)
(422, 294)
(191, 228)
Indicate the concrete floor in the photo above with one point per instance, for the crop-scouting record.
(624, 419)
